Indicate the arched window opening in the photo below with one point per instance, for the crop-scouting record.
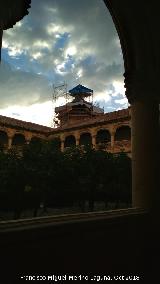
(70, 141)
(123, 133)
(3, 139)
(85, 139)
(103, 136)
(122, 139)
(18, 140)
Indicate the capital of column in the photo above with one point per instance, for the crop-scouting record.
(141, 87)
(112, 132)
(93, 135)
(93, 132)
(28, 139)
(77, 135)
(62, 137)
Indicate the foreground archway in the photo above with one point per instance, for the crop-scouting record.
(140, 40)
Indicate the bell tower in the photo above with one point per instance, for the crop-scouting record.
(79, 109)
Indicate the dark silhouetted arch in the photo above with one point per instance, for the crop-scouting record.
(3, 138)
(103, 136)
(85, 139)
(70, 141)
(123, 133)
(18, 140)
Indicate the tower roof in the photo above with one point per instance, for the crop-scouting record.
(80, 89)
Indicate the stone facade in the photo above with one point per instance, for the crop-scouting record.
(111, 131)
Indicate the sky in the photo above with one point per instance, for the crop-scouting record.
(60, 41)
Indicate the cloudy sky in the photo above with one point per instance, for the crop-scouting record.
(60, 41)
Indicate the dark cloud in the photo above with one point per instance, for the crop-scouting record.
(66, 40)
(21, 88)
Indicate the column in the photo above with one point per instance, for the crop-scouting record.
(62, 145)
(145, 153)
(28, 140)
(77, 137)
(94, 141)
(112, 140)
(10, 142)
(93, 132)
(77, 141)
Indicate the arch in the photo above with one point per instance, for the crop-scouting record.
(123, 133)
(141, 66)
(85, 139)
(103, 136)
(18, 140)
(70, 141)
(3, 138)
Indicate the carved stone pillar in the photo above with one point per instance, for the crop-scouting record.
(94, 141)
(62, 145)
(28, 139)
(93, 134)
(145, 140)
(77, 137)
(10, 142)
(10, 134)
(77, 141)
(145, 132)
(112, 140)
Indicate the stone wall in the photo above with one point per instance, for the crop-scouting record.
(111, 132)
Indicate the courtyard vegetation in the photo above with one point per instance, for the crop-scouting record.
(43, 176)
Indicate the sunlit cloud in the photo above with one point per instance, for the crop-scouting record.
(102, 96)
(60, 68)
(32, 113)
(79, 73)
(119, 88)
(53, 28)
(37, 55)
(41, 44)
(121, 101)
(67, 40)
(70, 51)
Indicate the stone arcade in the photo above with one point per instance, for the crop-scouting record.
(81, 123)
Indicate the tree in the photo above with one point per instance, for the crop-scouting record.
(12, 181)
(43, 174)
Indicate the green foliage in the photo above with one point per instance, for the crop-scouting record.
(43, 174)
